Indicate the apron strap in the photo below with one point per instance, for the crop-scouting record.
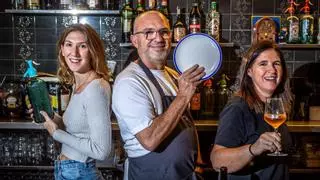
(165, 103)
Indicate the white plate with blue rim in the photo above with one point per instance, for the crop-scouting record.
(199, 49)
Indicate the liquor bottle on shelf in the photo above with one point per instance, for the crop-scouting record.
(195, 104)
(213, 22)
(140, 7)
(223, 173)
(195, 19)
(318, 37)
(151, 5)
(293, 24)
(49, 4)
(94, 4)
(306, 24)
(126, 21)
(179, 27)
(80, 4)
(164, 8)
(33, 4)
(65, 4)
(111, 4)
(208, 99)
(17, 4)
(222, 93)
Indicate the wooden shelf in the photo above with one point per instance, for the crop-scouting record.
(299, 46)
(71, 12)
(175, 44)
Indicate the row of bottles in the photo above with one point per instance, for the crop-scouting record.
(210, 98)
(197, 20)
(298, 29)
(66, 4)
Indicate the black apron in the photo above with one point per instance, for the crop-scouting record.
(174, 158)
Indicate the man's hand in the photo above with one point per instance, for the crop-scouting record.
(189, 80)
(50, 125)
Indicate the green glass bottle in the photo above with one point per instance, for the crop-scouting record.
(139, 8)
(38, 94)
(213, 22)
(126, 21)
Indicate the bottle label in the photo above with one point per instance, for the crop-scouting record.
(213, 29)
(179, 33)
(195, 102)
(127, 25)
(293, 31)
(194, 28)
(54, 102)
(11, 102)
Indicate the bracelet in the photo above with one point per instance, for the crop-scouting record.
(251, 151)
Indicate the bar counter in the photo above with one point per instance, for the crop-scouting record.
(202, 125)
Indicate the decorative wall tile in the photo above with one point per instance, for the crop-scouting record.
(241, 6)
(25, 51)
(241, 37)
(24, 21)
(240, 22)
(24, 35)
(66, 21)
(110, 22)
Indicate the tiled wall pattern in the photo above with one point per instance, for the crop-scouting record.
(34, 36)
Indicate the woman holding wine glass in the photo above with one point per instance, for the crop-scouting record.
(244, 138)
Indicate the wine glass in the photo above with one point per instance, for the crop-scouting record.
(275, 115)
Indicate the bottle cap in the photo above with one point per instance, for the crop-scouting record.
(31, 71)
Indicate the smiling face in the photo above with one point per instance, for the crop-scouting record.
(153, 52)
(76, 52)
(266, 73)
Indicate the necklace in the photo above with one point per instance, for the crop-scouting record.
(84, 83)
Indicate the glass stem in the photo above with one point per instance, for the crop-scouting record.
(277, 151)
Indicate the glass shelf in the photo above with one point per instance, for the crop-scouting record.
(175, 44)
(73, 12)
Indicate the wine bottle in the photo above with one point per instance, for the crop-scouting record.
(139, 8)
(213, 22)
(195, 19)
(195, 105)
(179, 27)
(126, 21)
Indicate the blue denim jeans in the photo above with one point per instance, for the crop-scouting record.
(71, 169)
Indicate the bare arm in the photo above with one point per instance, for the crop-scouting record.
(237, 158)
(163, 125)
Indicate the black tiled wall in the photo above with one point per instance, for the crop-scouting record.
(43, 31)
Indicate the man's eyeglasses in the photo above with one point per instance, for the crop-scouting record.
(152, 34)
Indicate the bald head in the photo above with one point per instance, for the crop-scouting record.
(149, 16)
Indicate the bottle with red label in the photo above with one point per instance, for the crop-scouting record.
(195, 105)
(195, 19)
(179, 28)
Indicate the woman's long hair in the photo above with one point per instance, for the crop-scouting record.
(96, 50)
(244, 86)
